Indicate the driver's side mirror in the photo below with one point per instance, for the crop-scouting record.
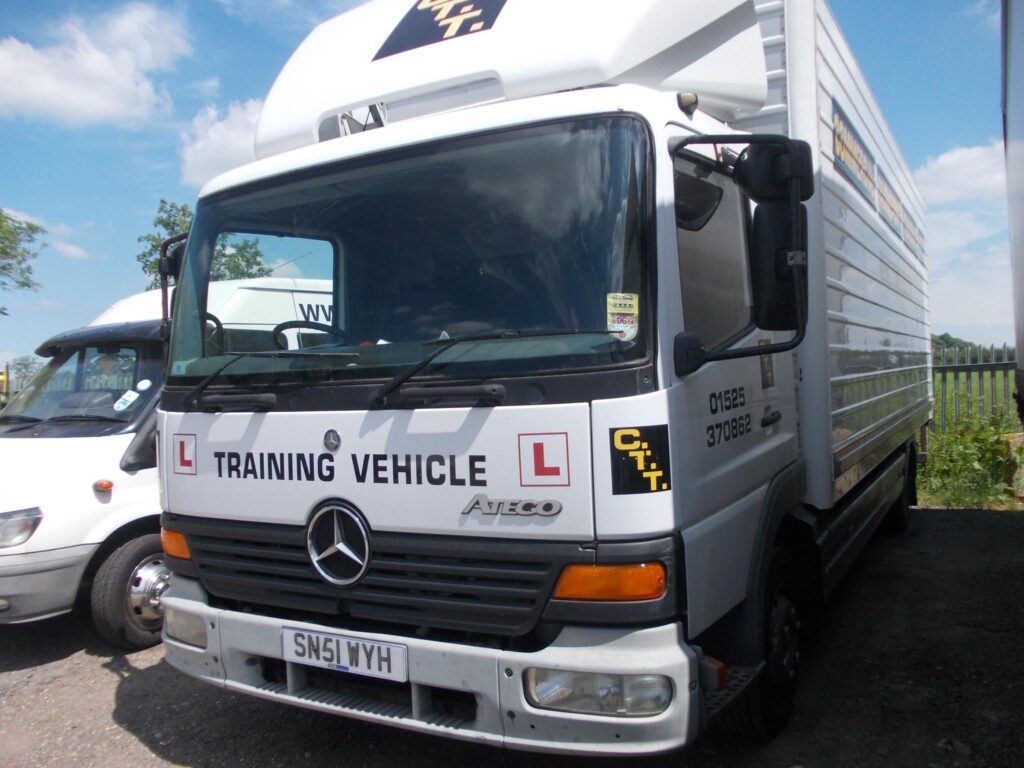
(169, 266)
(171, 251)
(776, 173)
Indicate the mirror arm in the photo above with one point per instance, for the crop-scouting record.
(784, 346)
(165, 267)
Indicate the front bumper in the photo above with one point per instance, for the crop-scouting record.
(37, 585)
(239, 645)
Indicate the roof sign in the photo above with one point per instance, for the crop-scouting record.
(432, 21)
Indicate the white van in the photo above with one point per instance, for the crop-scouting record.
(80, 510)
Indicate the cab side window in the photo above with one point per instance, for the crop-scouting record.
(711, 238)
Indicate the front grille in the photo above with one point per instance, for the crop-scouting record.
(488, 586)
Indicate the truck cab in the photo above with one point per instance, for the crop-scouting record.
(559, 470)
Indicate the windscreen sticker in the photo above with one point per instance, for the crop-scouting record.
(433, 21)
(624, 315)
(640, 460)
(126, 400)
(143, 385)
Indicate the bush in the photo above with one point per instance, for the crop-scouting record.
(972, 464)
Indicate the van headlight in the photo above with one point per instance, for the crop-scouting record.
(16, 527)
(593, 693)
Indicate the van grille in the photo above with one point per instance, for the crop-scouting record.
(490, 586)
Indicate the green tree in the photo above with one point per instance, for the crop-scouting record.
(17, 249)
(171, 219)
(22, 370)
(233, 258)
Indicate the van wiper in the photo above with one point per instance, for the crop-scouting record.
(82, 417)
(191, 401)
(19, 419)
(22, 422)
(380, 395)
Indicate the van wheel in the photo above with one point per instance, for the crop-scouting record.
(765, 708)
(126, 594)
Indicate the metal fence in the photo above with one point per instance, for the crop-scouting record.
(972, 381)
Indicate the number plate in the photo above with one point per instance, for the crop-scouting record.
(345, 654)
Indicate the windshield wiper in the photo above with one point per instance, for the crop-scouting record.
(380, 395)
(82, 417)
(19, 419)
(196, 392)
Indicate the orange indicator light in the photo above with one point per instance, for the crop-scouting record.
(630, 582)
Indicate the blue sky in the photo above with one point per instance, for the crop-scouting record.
(105, 107)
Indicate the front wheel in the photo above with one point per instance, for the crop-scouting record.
(126, 594)
(766, 706)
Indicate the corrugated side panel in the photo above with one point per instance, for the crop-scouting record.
(774, 116)
(873, 355)
(878, 335)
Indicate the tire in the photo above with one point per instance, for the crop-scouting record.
(766, 706)
(126, 593)
(897, 521)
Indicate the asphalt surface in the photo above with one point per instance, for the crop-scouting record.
(921, 663)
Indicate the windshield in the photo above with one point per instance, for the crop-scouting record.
(103, 384)
(535, 229)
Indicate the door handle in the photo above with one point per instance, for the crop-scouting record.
(772, 418)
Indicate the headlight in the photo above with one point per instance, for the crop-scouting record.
(16, 527)
(598, 694)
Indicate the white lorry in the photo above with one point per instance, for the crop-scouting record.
(610, 393)
(80, 511)
(1013, 137)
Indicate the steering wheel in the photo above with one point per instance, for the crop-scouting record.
(281, 342)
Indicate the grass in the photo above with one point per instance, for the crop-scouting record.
(974, 463)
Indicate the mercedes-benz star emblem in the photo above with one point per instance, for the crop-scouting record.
(339, 544)
(332, 440)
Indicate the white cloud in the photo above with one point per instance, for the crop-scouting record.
(96, 71)
(988, 11)
(968, 243)
(299, 15)
(206, 89)
(964, 175)
(213, 144)
(69, 250)
(950, 232)
(22, 216)
(64, 248)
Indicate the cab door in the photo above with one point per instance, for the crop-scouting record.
(736, 418)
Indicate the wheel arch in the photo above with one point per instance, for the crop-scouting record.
(133, 529)
(737, 638)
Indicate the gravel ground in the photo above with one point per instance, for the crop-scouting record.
(921, 663)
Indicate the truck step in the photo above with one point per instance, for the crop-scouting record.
(737, 679)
